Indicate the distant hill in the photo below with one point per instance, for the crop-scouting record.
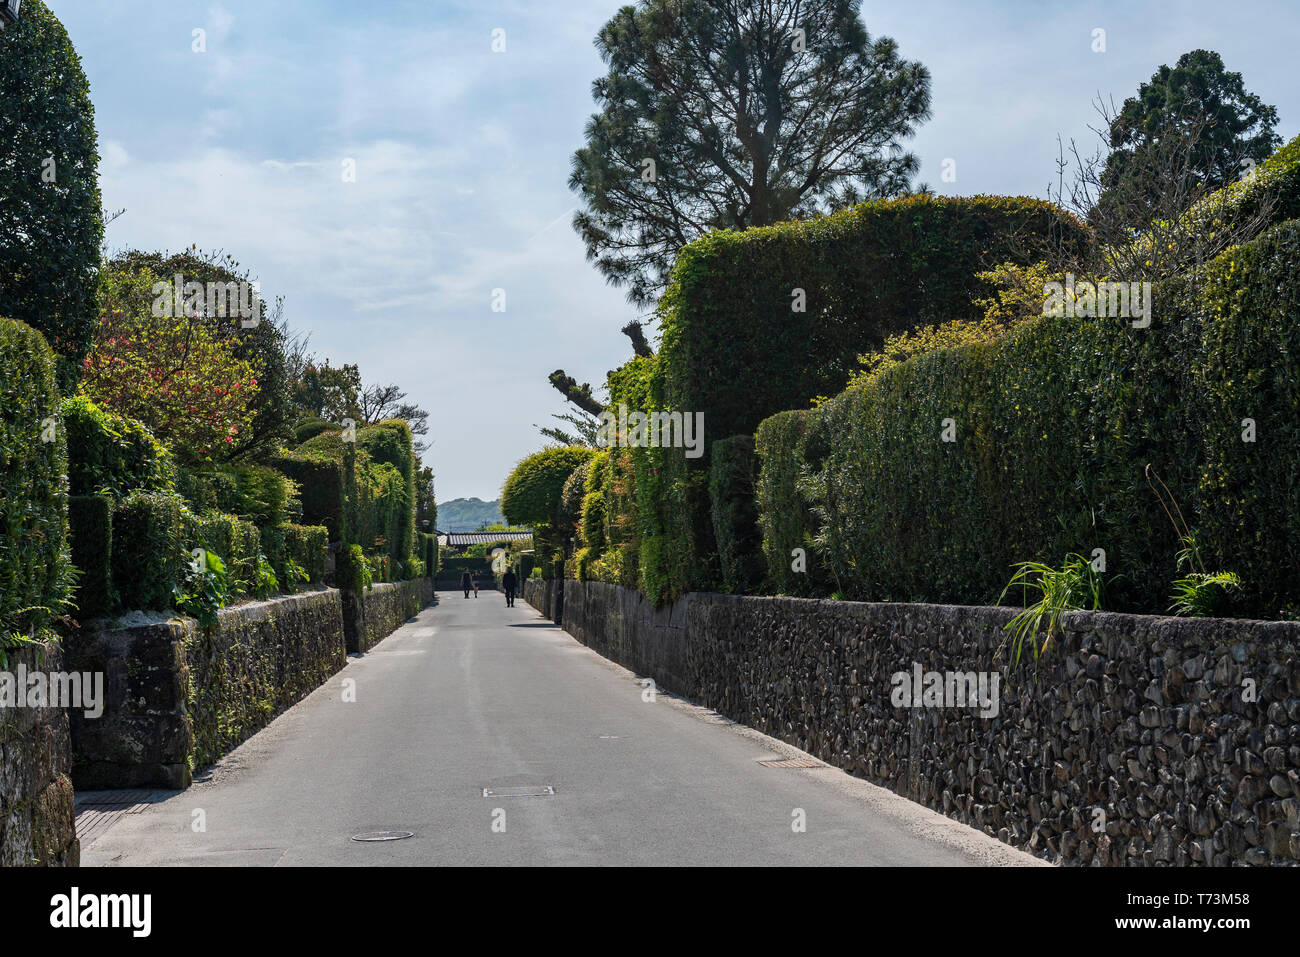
(468, 514)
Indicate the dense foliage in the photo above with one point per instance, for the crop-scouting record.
(35, 574)
(51, 223)
(532, 492)
(1053, 428)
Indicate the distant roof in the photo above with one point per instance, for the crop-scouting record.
(477, 538)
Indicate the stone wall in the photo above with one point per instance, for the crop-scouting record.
(541, 594)
(374, 614)
(36, 815)
(176, 699)
(1142, 741)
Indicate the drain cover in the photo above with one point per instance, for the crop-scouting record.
(369, 836)
(538, 791)
(793, 763)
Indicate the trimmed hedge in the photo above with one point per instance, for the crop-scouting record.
(109, 454)
(236, 542)
(35, 573)
(320, 483)
(732, 346)
(148, 549)
(735, 514)
(1055, 424)
(90, 528)
(454, 565)
(259, 493)
(532, 492)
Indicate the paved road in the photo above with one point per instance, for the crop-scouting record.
(473, 695)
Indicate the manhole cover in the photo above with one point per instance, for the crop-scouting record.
(538, 791)
(793, 763)
(370, 836)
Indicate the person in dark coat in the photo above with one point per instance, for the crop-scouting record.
(466, 582)
(509, 582)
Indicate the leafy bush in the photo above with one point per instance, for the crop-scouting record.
(203, 588)
(52, 231)
(735, 514)
(353, 570)
(109, 454)
(259, 493)
(320, 483)
(148, 549)
(185, 379)
(1075, 586)
(532, 492)
(90, 528)
(35, 572)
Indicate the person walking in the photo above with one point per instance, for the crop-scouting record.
(474, 578)
(509, 582)
(466, 582)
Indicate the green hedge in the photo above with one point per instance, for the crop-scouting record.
(90, 534)
(735, 514)
(363, 493)
(352, 572)
(734, 348)
(109, 454)
(259, 493)
(236, 542)
(148, 549)
(320, 483)
(454, 565)
(427, 546)
(1055, 425)
(533, 491)
(35, 573)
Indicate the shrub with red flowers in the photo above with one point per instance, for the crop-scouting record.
(172, 373)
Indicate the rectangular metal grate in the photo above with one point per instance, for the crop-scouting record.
(538, 791)
(793, 763)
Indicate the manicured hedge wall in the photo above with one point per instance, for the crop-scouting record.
(735, 514)
(735, 348)
(320, 488)
(236, 542)
(1054, 427)
(111, 454)
(533, 491)
(35, 579)
(90, 535)
(732, 346)
(148, 549)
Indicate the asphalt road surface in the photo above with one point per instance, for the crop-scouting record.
(473, 695)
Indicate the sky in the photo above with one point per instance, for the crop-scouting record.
(462, 156)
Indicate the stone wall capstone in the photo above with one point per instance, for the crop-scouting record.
(1141, 740)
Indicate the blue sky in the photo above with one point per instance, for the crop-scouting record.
(462, 159)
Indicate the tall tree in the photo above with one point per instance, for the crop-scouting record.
(1195, 111)
(51, 223)
(732, 114)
